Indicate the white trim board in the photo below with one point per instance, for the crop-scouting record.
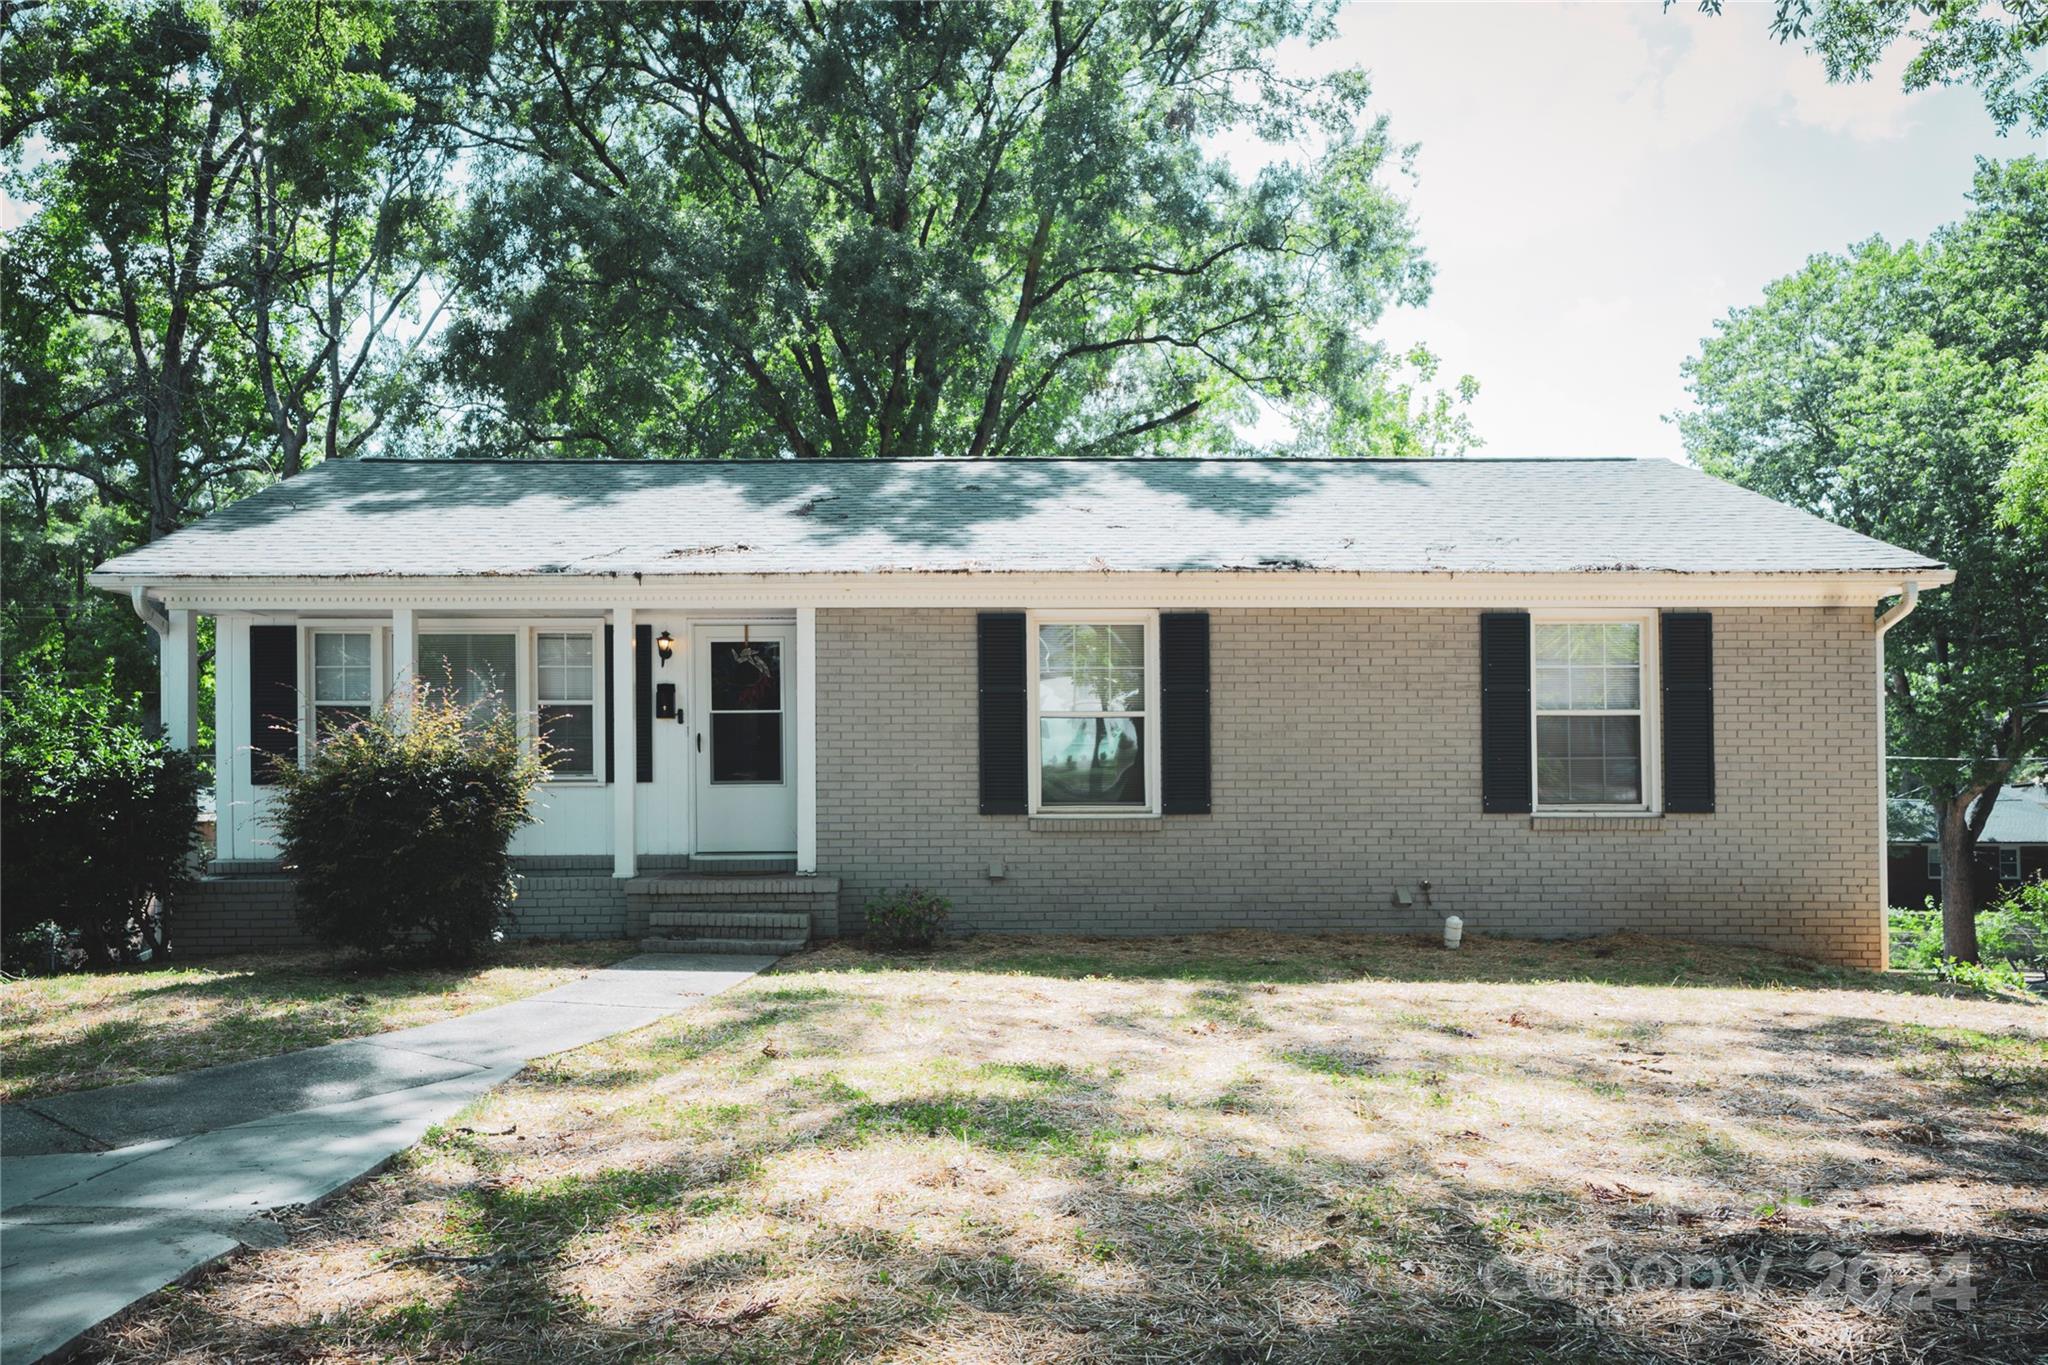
(753, 592)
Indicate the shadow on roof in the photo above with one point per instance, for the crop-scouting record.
(931, 504)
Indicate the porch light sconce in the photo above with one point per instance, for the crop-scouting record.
(665, 645)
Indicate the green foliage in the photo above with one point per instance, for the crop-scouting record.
(2023, 487)
(1996, 47)
(186, 322)
(100, 823)
(1890, 389)
(400, 835)
(973, 229)
(912, 918)
(2012, 939)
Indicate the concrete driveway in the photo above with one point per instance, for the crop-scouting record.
(108, 1195)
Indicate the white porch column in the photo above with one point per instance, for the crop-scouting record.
(806, 741)
(405, 660)
(623, 775)
(178, 680)
(230, 695)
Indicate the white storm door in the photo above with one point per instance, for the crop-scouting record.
(743, 750)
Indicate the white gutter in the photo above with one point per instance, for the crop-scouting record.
(138, 597)
(1898, 611)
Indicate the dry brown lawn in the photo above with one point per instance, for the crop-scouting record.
(90, 1029)
(1227, 1148)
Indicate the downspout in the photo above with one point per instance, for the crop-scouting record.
(153, 616)
(1897, 612)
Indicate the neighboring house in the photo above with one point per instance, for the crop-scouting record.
(2013, 848)
(1095, 696)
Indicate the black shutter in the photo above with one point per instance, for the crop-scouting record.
(273, 701)
(1504, 770)
(1000, 673)
(643, 703)
(1688, 693)
(1184, 712)
(611, 773)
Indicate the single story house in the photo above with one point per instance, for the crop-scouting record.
(1553, 697)
(2013, 848)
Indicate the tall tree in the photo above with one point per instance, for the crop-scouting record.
(1888, 389)
(971, 229)
(1995, 45)
(230, 210)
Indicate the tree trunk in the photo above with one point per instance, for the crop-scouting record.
(1958, 878)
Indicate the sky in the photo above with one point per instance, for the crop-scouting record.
(1597, 183)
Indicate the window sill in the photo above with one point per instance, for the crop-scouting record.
(1097, 824)
(1575, 822)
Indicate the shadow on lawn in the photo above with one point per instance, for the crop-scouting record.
(246, 1007)
(1256, 1240)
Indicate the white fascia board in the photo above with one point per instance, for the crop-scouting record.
(1022, 590)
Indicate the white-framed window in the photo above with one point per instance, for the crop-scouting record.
(2008, 864)
(1094, 700)
(1594, 686)
(344, 673)
(565, 693)
(475, 667)
(548, 674)
(1934, 862)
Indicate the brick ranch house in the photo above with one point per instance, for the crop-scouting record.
(1554, 697)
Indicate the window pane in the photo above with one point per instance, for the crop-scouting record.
(564, 667)
(1091, 668)
(341, 667)
(1589, 761)
(746, 677)
(1589, 689)
(1624, 689)
(746, 746)
(1588, 666)
(336, 649)
(569, 732)
(474, 670)
(1091, 762)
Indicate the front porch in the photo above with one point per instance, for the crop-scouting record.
(668, 760)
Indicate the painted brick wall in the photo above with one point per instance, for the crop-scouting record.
(1346, 765)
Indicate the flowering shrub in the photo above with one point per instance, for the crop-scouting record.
(401, 833)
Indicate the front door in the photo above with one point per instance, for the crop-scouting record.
(744, 748)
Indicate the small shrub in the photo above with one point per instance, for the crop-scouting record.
(401, 834)
(99, 822)
(912, 918)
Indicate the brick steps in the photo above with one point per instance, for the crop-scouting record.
(782, 924)
(766, 947)
(710, 913)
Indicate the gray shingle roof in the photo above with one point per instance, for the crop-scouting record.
(460, 518)
(2019, 816)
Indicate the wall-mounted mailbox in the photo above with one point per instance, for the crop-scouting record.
(664, 701)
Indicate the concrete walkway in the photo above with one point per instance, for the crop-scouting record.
(108, 1195)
